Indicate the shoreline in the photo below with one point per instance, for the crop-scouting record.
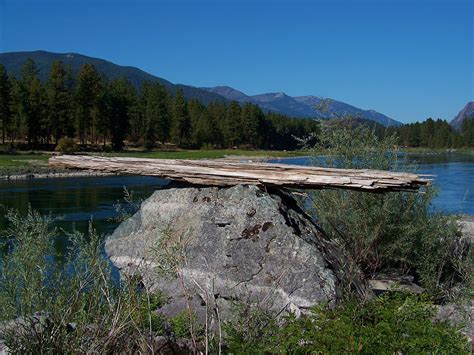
(54, 174)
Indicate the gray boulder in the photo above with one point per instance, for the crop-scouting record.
(207, 247)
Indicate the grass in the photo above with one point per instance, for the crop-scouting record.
(22, 160)
(209, 154)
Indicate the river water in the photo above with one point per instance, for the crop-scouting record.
(73, 202)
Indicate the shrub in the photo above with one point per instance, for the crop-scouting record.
(69, 306)
(67, 145)
(393, 231)
(391, 324)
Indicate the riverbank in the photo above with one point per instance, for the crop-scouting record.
(423, 150)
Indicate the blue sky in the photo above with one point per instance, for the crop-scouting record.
(409, 59)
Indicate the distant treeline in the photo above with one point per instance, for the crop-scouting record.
(96, 111)
(435, 134)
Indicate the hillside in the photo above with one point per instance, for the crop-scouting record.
(299, 107)
(466, 113)
(13, 62)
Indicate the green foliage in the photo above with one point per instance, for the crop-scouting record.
(394, 231)
(94, 110)
(433, 134)
(59, 122)
(250, 329)
(5, 95)
(72, 304)
(67, 145)
(390, 324)
(87, 94)
(152, 122)
(181, 122)
(183, 322)
(53, 304)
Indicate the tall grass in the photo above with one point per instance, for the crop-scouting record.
(75, 306)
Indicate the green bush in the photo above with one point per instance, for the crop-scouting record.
(67, 145)
(391, 324)
(392, 232)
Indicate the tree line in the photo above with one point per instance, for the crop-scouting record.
(435, 134)
(96, 111)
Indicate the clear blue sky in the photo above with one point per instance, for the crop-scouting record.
(409, 59)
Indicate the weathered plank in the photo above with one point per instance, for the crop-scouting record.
(228, 173)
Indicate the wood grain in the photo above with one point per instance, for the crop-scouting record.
(228, 173)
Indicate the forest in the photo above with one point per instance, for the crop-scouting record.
(97, 112)
(435, 134)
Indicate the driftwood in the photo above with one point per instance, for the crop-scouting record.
(228, 173)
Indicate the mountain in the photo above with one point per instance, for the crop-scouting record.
(303, 106)
(13, 62)
(466, 113)
(300, 106)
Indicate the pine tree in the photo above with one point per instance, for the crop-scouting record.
(59, 102)
(203, 126)
(87, 99)
(17, 126)
(155, 114)
(232, 124)
(181, 123)
(5, 94)
(252, 120)
(33, 102)
(121, 97)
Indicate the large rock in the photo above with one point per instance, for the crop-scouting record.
(206, 247)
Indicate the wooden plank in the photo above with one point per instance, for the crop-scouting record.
(228, 173)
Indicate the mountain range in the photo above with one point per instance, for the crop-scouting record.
(297, 106)
(466, 113)
(303, 106)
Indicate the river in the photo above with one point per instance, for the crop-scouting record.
(73, 202)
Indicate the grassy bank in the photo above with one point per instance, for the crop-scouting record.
(209, 154)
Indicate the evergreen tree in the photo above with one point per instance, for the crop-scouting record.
(33, 101)
(121, 97)
(252, 120)
(232, 124)
(155, 113)
(17, 124)
(5, 92)
(181, 123)
(467, 132)
(216, 112)
(87, 99)
(59, 102)
(203, 126)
